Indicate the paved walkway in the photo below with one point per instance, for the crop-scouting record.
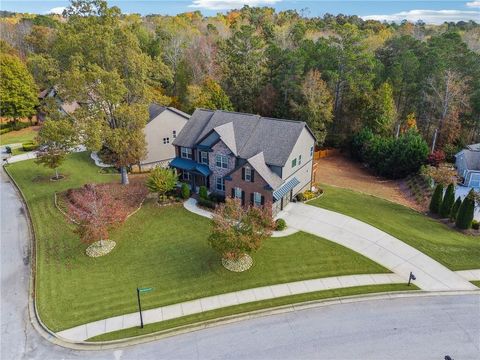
(375, 244)
(470, 275)
(83, 332)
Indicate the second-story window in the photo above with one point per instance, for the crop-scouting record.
(221, 161)
(174, 134)
(311, 151)
(248, 174)
(186, 153)
(299, 159)
(294, 162)
(203, 157)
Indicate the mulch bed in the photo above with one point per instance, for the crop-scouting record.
(131, 196)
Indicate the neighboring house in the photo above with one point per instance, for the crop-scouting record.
(163, 126)
(467, 162)
(66, 108)
(256, 159)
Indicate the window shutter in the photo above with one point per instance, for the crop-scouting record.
(243, 173)
(252, 172)
(243, 197)
(233, 193)
(251, 199)
(262, 201)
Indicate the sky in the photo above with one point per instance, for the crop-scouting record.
(435, 12)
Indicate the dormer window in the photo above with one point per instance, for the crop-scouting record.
(186, 153)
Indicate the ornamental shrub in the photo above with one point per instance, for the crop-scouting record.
(185, 191)
(29, 146)
(448, 201)
(280, 225)
(455, 207)
(436, 157)
(207, 203)
(436, 202)
(203, 193)
(465, 212)
(475, 225)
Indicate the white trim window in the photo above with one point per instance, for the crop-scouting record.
(311, 151)
(257, 199)
(220, 184)
(221, 161)
(186, 153)
(299, 160)
(248, 174)
(238, 193)
(204, 157)
(186, 176)
(294, 162)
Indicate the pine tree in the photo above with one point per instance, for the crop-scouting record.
(465, 212)
(448, 201)
(436, 201)
(454, 211)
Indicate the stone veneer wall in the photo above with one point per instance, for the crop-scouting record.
(222, 149)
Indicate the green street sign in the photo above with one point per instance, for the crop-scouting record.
(142, 290)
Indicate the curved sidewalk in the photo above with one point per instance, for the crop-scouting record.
(86, 331)
(375, 244)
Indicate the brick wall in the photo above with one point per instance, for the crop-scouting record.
(249, 187)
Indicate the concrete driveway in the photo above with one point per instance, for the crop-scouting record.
(375, 244)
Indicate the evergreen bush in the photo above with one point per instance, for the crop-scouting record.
(448, 201)
(465, 212)
(436, 201)
(185, 191)
(455, 207)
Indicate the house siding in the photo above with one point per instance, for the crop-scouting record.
(302, 172)
(219, 149)
(157, 129)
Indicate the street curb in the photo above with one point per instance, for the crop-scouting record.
(52, 337)
(229, 319)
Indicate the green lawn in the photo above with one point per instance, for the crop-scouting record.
(18, 136)
(476, 283)
(253, 306)
(451, 248)
(162, 247)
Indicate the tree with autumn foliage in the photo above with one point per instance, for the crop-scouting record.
(239, 230)
(95, 212)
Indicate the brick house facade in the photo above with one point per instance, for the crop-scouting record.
(262, 161)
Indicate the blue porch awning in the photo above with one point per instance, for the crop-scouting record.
(190, 165)
(285, 188)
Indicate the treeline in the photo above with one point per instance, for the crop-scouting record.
(340, 74)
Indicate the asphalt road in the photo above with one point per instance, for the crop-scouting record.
(403, 328)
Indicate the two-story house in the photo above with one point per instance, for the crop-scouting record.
(256, 159)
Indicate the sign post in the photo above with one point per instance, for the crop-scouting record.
(141, 290)
(410, 278)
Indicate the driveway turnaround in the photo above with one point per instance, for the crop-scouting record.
(375, 244)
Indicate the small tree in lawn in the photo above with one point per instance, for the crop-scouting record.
(466, 212)
(436, 201)
(448, 201)
(95, 213)
(56, 139)
(161, 181)
(455, 207)
(238, 231)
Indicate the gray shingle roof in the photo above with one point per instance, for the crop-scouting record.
(258, 163)
(253, 134)
(472, 159)
(154, 110)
